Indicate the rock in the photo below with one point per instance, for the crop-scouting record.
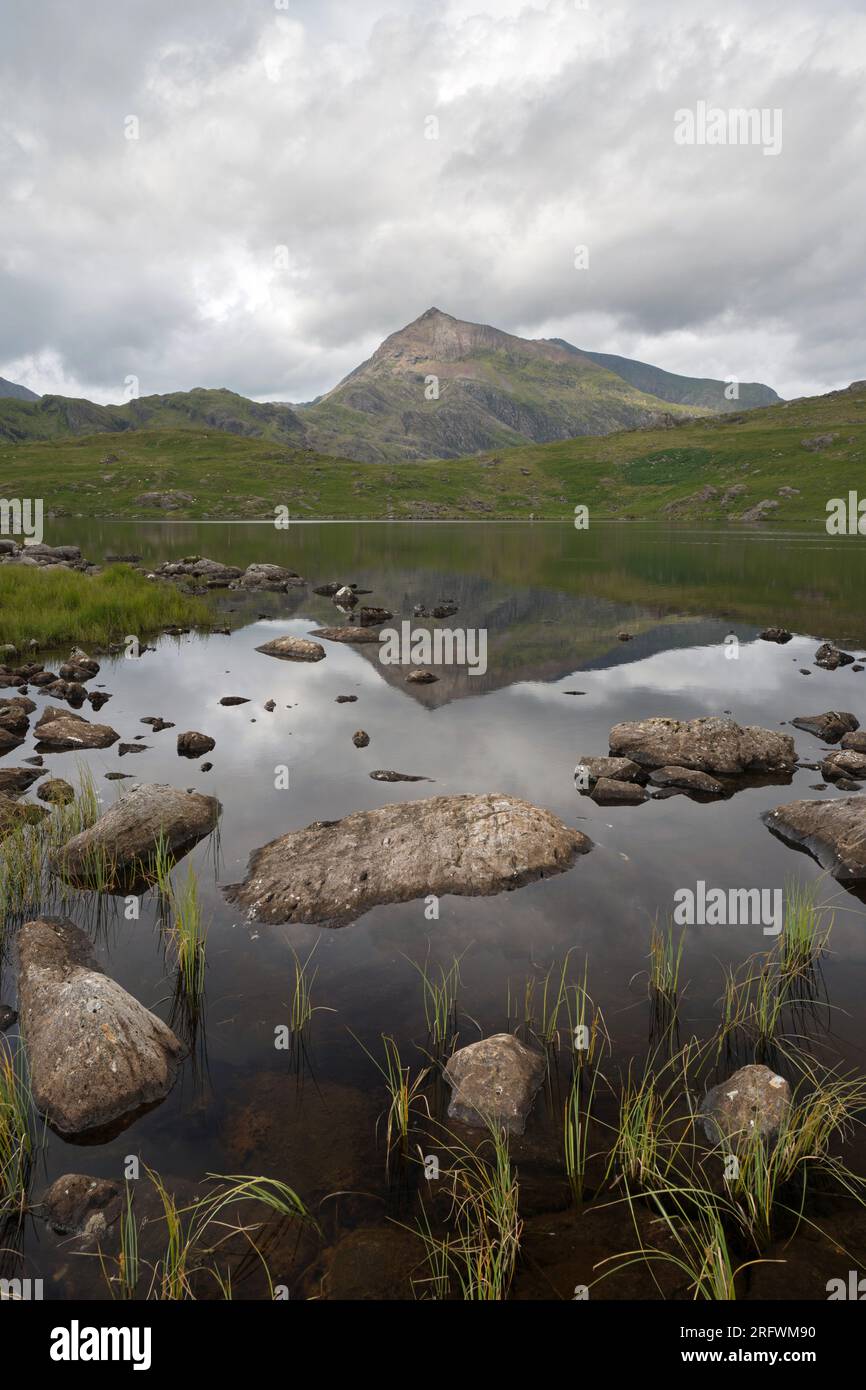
(829, 727)
(775, 634)
(624, 637)
(713, 745)
(8, 1016)
(234, 700)
(381, 776)
(124, 748)
(14, 781)
(156, 723)
(688, 778)
(15, 813)
(760, 510)
(274, 578)
(473, 845)
(79, 1205)
(119, 776)
(329, 590)
(360, 738)
(194, 745)
(614, 769)
(845, 763)
(97, 698)
(373, 617)
(345, 597)
(833, 832)
(166, 501)
(609, 792)
(8, 742)
(13, 719)
(856, 742)
(345, 699)
(127, 835)
(421, 677)
(96, 1055)
(754, 1098)
(58, 731)
(270, 706)
(206, 767)
(819, 442)
(346, 634)
(494, 1081)
(56, 791)
(831, 658)
(293, 649)
(79, 667)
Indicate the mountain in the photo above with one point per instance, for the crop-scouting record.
(438, 388)
(693, 391)
(54, 417)
(494, 390)
(10, 391)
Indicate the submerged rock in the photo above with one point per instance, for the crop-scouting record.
(80, 1205)
(293, 649)
(360, 738)
(96, 1055)
(713, 745)
(57, 791)
(384, 776)
(373, 617)
(474, 845)
(688, 778)
(14, 781)
(194, 745)
(833, 832)
(126, 836)
(494, 1081)
(59, 731)
(754, 1098)
(346, 634)
(829, 726)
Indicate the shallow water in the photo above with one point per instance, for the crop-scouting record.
(552, 601)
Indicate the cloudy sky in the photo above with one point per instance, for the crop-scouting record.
(284, 207)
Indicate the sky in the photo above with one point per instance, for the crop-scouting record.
(254, 193)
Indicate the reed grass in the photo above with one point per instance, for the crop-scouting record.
(440, 991)
(404, 1095)
(16, 1129)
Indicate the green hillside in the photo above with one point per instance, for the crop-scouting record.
(698, 392)
(795, 455)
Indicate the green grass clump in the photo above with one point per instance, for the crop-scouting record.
(53, 606)
(16, 1133)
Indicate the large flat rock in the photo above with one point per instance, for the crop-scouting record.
(96, 1055)
(125, 838)
(293, 649)
(715, 745)
(833, 831)
(334, 871)
(60, 731)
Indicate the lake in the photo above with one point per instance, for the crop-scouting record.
(553, 601)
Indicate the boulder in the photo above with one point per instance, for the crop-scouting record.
(127, 834)
(845, 763)
(96, 1055)
(80, 1205)
(754, 1098)
(688, 778)
(609, 792)
(9, 741)
(775, 634)
(833, 832)
(194, 745)
(494, 1081)
(855, 742)
(421, 677)
(360, 738)
(831, 658)
(373, 617)
(293, 649)
(473, 845)
(274, 578)
(589, 770)
(829, 727)
(59, 731)
(715, 745)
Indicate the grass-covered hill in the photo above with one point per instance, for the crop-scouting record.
(796, 455)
